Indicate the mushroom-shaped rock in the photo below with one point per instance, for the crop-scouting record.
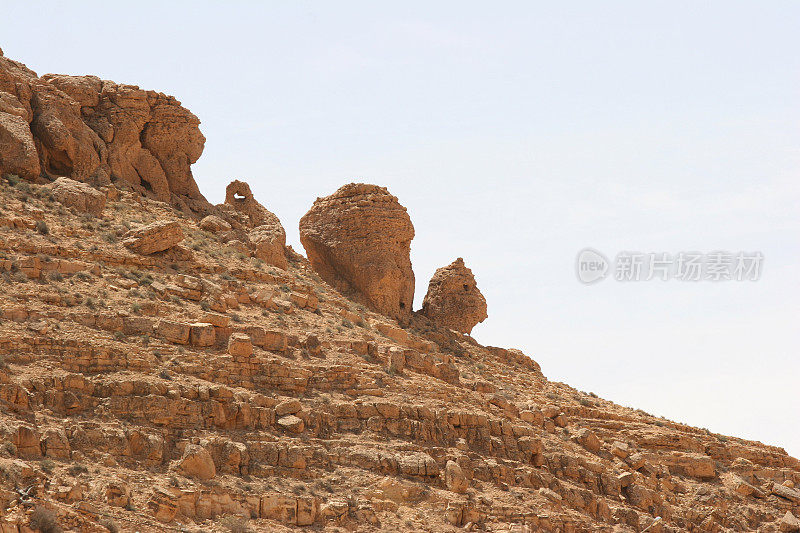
(453, 298)
(359, 240)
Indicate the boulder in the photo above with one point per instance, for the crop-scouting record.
(789, 523)
(202, 334)
(177, 332)
(690, 464)
(292, 423)
(154, 237)
(588, 439)
(79, 196)
(197, 462)
(26, 440)
(118, 494)
(288, 407)
(278, 507)
(270, 243)
(620, 449)
(454, 478)
(214, 224)
(240, 345)
(55, 444)
(453, 299)
(359, 240)
(785, 492)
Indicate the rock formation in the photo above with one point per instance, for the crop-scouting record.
(453, 299)
(242, 212)
(214, 224)
(269, 241)
(148, 386)
(96, 131)
(79, 195)
(241, 205)
(359, 240)
(154, 237)
(164, 393)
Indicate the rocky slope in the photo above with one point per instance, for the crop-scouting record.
(166, 372)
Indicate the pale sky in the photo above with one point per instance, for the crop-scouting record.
(516, 134)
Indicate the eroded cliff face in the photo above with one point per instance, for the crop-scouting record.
(98, 131)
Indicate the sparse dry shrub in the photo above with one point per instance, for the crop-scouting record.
(44, 520)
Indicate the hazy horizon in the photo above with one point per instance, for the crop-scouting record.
(515, 137)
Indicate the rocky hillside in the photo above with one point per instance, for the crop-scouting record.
(169, 365)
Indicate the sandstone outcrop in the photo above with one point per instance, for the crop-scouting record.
(359, 240)
(197, 462)
(154, 237)
(269, 241)
(453, 299)
(79, 195)
(214, 224)
(234, 398)
(17, 148)
(257, 228)
(241, 205)
(96, 131)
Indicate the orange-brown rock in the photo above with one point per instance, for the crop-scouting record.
(197, 462)
(241, 205)
(240, 345)
(154, 237)
(214, 224)
(454, 478)
(269, 241)
(266, 236)
(359, 240)
(214, 395)
(79, 195)
(453, 299)
(17, 148)
(95, 130)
